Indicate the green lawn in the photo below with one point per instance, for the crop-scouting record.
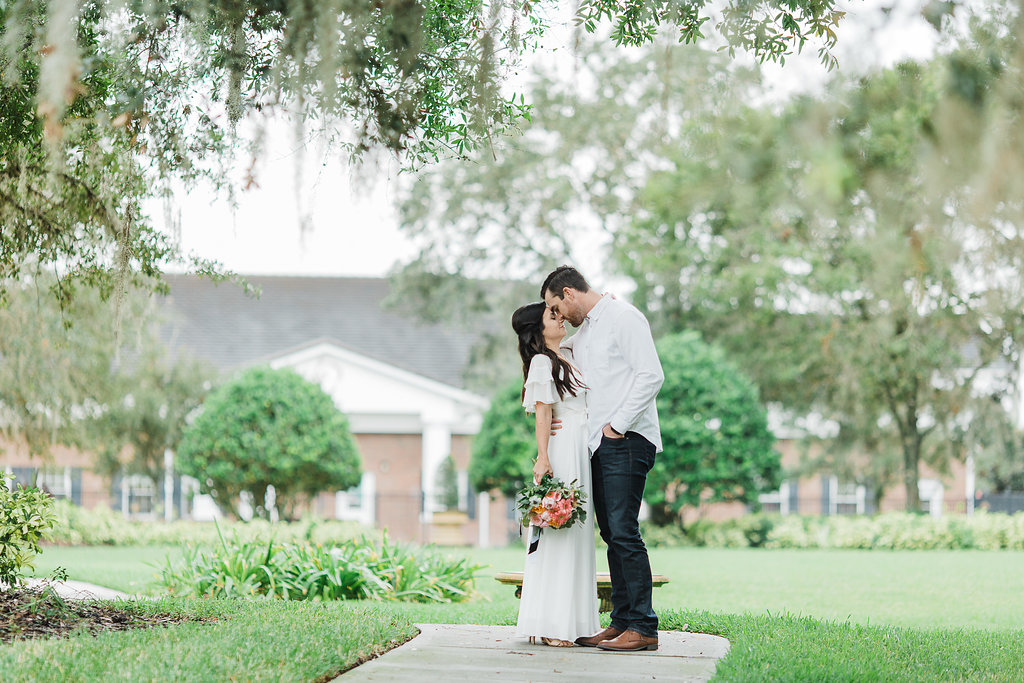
(249, 640)
(790, 615)
(919, 589)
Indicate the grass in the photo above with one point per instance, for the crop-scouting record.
(771, 647)
(259, 640)
(791, 615)
(131, 569)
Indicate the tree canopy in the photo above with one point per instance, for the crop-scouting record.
(269, 428)
(856, 236)
(105, 104)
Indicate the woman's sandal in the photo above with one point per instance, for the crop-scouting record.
(555, 642)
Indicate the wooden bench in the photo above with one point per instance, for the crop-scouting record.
(604, 585)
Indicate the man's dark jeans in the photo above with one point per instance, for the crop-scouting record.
(620, 468)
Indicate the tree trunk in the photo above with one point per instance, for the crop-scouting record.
(911, 459)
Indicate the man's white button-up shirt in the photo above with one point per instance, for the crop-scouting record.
(615, 352)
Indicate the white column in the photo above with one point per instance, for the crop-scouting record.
(483, 519)
(437, 445)
(784, 498)
(168, 485)
(367, 498)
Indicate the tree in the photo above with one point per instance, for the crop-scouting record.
(269, 428)
(447, 489)
(505, 447)
(105, 104)
(717, 446)
(892, 298)
(579, 164)
(152, 396)
(842, 233)
(53, 378)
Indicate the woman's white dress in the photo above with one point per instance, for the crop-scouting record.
(559, 597)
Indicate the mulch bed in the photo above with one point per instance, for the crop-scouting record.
(41, 613)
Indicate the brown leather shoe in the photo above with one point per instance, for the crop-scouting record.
(592, 641)
(629, 641)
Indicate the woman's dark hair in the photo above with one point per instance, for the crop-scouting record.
(528, 323)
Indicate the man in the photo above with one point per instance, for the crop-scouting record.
(615, 352)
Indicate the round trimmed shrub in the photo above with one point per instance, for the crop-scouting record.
(269, 428)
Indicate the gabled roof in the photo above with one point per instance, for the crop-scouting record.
(218, 323)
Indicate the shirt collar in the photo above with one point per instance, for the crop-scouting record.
(595, 312)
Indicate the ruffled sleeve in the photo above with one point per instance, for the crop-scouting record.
(540, 384)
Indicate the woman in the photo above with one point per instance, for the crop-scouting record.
(559, 596)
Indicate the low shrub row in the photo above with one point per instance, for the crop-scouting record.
(889, 531)
(76, 525)
(357, 569)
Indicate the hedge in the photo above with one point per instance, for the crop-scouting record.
(889, 531)
(102, 526)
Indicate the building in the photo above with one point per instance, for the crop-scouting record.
(398, 381)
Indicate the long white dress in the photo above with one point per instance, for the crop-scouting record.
(559, 597)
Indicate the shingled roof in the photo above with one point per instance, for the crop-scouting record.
(218, 323)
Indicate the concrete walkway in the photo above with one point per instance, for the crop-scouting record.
(80, 590)
(493, 653)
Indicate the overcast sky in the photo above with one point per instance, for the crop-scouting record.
(352, 223)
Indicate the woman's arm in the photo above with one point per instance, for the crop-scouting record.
(543, 465)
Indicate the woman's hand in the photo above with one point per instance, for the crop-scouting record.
(540, 468)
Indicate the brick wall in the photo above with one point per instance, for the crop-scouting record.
(395, 461)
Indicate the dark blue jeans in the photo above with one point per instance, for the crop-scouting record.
(620, 468)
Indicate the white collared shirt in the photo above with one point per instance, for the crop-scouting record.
(615, 352)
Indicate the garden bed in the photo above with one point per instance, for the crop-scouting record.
(42, 613)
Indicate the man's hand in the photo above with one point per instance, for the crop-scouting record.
(540, 468)
(610, 433)
(556, 424)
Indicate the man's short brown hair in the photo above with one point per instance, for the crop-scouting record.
(562, 277)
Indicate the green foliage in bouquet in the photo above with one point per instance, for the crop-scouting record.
(551, 503)
(26, 515)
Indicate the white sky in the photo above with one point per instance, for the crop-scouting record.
(352, 228)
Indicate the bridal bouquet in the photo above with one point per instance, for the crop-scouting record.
(551, 503)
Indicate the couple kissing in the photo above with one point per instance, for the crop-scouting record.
(596, 423)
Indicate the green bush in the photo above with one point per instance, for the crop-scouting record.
(505, 446)
(267, 428)
(102, 526)
(670, 536)
(717, 443)
(357, 569)
(889, 531)
(26, 515)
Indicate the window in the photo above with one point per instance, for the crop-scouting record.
(359, 502)
(846, 498)
(138, 496)
(55, 481)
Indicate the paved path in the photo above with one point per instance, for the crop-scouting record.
(493, 653)
(79, 590)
